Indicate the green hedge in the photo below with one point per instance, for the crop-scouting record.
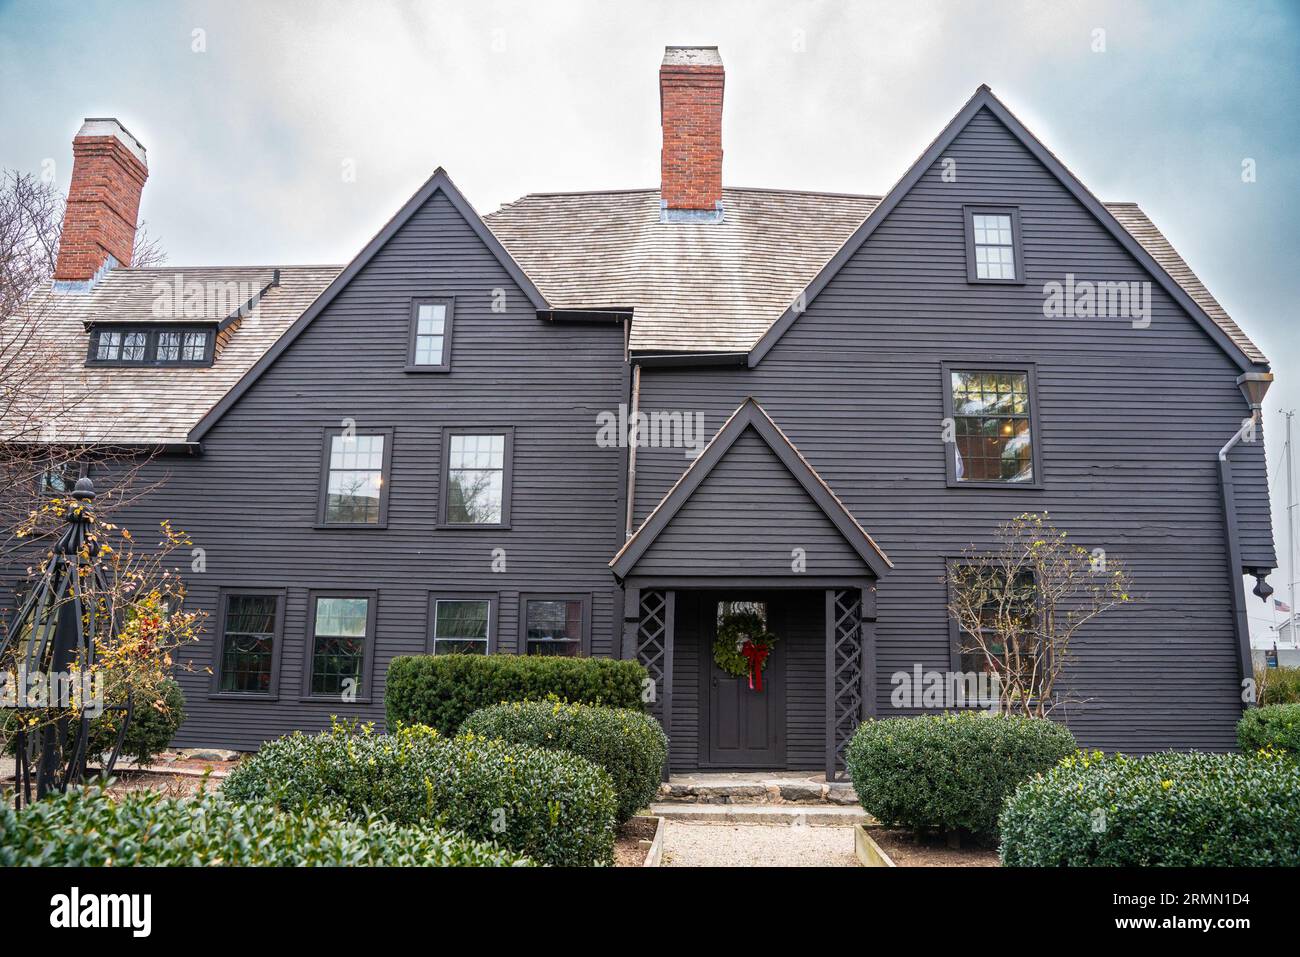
(550, 806)
(628, 744)
(1278, 685)
(151, 729)
(441, 691)
(1168, 809)
(1275, 727)
(87, 828)
(950, 771)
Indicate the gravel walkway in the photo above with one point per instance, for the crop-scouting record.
(757, 845)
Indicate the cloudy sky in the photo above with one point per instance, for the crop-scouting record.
(252, 112)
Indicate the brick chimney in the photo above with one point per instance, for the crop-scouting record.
(108, 174)
(690, 109)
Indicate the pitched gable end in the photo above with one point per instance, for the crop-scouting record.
(439, 182)
(985, 100)
(753, 496)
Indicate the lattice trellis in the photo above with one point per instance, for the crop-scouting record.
(846, 671)
(652, 643)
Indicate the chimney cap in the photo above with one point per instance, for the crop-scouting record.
(112, 126)
(691, 56)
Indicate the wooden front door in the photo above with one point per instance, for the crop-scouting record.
(743, 728)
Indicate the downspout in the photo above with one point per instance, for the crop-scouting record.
(1253, 386)
(633, 441)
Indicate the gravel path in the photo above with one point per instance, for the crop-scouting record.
(757, 845)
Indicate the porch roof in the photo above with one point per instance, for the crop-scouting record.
(833, 518)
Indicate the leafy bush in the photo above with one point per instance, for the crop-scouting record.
(628, 744)
(151, 729)
(1168, 809)
(1275, 727)
(1278, 685)
(551, 806)
(87, 828)
(441, 691)
(950, 771)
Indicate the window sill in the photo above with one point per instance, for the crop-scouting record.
(444, 526)
(1022, 486)
(242, 696)
(359, 527)
(333, 700)
(975, 281)
(411, 368)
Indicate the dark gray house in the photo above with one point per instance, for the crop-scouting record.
(428, 449)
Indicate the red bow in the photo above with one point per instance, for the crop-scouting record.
(756, 654)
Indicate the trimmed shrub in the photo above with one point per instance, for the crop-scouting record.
(1275, 727)
(950, 771)
(550, 806)
(151, 729)
(1168, 809)
(87, 828)
(628, 744)
(441, 691)
(1278, 685)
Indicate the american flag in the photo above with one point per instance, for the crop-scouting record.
(1280, 605)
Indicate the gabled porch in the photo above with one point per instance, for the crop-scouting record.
(751, 522)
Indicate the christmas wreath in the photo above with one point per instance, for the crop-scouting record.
(743, 646)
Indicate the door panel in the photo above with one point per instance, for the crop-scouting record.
(744, 728)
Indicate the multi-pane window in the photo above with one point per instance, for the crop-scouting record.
(991, 417)
(169, 346)
(150, 346)
(994, 244)
(109, 346)
(248, 644)
(354, 479)
(476, 479)
(195, 347)
(429, 345)
(460, 626)
(339, 645)
(553, 626)
(1001, 612)
(133, 344)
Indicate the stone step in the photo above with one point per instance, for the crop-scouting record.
(708, 789)
(787, 814)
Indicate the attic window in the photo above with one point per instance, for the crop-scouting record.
(993, 248)
(430, 346)
(148, 346)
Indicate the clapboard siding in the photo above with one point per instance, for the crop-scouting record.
(747, 518)
(1130, 424)
(250, 500)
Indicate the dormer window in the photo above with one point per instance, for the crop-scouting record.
(993, 248)
(147, 346)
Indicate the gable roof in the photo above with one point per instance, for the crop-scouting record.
(1227, 335)
(750, 415)
(439, 182)
(150, 405)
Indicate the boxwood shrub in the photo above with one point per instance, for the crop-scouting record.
(151, 729)
(629, 744)
(950, 771)
(551, 806)
(1167, 809)
(441, 691)
(87, 828)
(1274, 727)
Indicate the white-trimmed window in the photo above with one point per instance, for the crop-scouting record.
(460, 626)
